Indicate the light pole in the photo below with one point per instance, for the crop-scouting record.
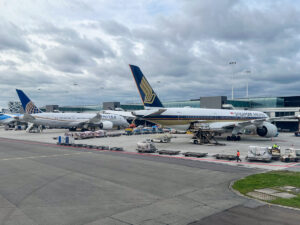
(247, 93)
(232, 63)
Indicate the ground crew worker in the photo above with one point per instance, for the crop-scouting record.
(238, 156)
(275, 146)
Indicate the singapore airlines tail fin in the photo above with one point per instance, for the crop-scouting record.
(149, 97)
(27, 104)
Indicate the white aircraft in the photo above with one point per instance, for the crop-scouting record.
(68, 120)
(127, 115)
(7, 119)
(219, 120)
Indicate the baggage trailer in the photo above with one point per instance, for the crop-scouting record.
(168, 152)
(225, 156)
(257, 153)
(146, 147)
(194, 154)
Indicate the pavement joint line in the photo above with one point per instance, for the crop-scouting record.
(41, 156)
(145, 154)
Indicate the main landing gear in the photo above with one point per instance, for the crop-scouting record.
(233, 138)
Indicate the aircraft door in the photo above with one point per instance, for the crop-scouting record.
(179, 115)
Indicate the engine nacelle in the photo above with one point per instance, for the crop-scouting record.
(267, 130)
(106, 125)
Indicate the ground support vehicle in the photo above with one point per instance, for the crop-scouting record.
(275, 152)
(291, 155)
(163, 138)
(65, 140)
(257, 153)
(146, 147)
(128, 131)
(204, 136)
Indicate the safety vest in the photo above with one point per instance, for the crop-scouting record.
(238, 153)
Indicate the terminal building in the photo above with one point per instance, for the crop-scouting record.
(272, 106)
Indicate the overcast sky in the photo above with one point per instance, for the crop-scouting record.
(76, 52)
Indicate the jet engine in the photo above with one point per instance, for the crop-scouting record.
(106, 125)
(267, 130)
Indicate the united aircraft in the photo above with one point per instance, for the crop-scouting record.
(68, 120)
(218, 120)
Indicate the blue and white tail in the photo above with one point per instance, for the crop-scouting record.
(149, 97)
(27, 104)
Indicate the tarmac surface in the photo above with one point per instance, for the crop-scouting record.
(180, 142)
(47, 184)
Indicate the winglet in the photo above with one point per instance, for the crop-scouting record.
(27, 104)
(148, 96)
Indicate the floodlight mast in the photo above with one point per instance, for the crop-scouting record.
(232, 94)
(247, 90)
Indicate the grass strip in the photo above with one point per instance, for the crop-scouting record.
(273, 179)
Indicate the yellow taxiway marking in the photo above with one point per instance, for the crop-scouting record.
(43, 156)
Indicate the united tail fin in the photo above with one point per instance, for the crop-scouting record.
(148, 96)
(27, 104)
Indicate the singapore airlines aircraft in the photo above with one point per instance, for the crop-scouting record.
(219, 120)
(68, 120)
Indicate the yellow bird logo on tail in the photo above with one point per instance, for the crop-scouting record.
(149, 94)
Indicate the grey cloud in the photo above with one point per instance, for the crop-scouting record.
(12, 37)
(7, 63)
(114, 28)
(74, 51)
(188, 51)
(66, 59)
(71, 38)
(233, 20)
(20, 79)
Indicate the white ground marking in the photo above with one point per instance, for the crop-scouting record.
(43, 156)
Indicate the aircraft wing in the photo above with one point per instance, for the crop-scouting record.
(148, 113)
(232, 125)
(28, 118)
(155, 113)
(285, 117)
(95, 119)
